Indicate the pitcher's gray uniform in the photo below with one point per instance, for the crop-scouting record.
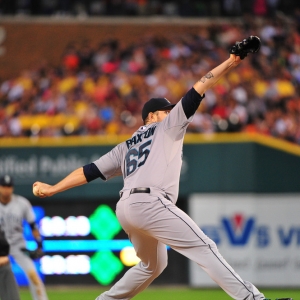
(152, 160)
(150, 163)
(11, 217)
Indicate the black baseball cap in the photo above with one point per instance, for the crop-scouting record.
(6, 180)
(155, 104)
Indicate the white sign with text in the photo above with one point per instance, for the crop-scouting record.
(258, 235)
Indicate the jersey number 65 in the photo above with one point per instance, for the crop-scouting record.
(135, 158)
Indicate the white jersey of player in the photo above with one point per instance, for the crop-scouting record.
(11, 219)
(153, 149)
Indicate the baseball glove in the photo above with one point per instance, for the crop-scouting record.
(33, 254)
(250, 45)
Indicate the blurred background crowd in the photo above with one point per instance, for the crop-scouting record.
(100, 89)
(187, 8)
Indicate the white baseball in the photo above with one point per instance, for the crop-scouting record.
(35, 191)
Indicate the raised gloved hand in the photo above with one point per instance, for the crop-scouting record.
(250, 45)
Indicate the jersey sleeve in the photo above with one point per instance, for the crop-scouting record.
(182, 114)
(110, 163)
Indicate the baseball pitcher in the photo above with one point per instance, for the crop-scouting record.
(150, 163)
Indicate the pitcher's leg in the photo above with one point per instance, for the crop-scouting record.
(210, 260)
(153, 255)
(185, 236)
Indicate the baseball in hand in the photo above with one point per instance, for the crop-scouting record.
(35, 191)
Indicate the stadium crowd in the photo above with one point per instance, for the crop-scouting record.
(101, 90)
(187, 8)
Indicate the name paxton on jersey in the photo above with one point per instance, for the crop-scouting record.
(138, 137)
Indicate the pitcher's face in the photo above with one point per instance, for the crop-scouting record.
(158, 116)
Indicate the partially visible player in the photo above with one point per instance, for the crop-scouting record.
(8, 285)
(13, 210)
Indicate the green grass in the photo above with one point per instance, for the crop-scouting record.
(153, 293)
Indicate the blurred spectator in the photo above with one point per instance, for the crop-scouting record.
(232, 7)
(260, 7)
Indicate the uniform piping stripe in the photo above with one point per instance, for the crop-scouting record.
(231, 272)
(182, 221)
(209, 248)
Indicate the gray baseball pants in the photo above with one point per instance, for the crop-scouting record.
(8, 285)
(36, 285)
(151, 222)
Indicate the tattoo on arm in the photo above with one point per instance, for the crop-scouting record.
(207, 76)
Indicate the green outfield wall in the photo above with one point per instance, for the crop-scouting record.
(219, 163)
